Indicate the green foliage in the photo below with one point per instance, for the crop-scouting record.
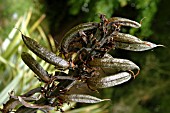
(101, 7)
(15, 76)
(145, 9)
(77, 6)
(10, 13)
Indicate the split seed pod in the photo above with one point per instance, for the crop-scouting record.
(68, 38)
(35, 67)
(43, 53)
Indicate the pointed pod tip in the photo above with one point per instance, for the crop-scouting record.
(137, 67)
(106, 99)
(160, 46)
(20, 31)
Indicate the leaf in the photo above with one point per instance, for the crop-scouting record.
(12, 85)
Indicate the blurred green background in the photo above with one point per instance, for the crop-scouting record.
(149, 92)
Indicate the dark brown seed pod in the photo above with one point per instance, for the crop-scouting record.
(43, 53)
(35, 67)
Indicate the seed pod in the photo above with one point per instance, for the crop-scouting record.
(68, 38)
(107, 56)
(126, 38)
(136, 46)
(124, 22)
(43, 53)
(9, 105)
(109, 81)
(113, 65)
(30, 105)
(83, 98)
(35, 67)
(32, 92)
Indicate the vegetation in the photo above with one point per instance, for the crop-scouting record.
(149, 91)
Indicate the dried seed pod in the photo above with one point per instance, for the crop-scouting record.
(80, 88)
(124, 22)
(70, 85)
(82, 98)
(126, 38)
(9, 105)
(30, 105)
(35, 67)
(107, 56)
(109, 81)
(68, 38)
(136, 46)
(43, 53)
(32, 92)
(113, 65)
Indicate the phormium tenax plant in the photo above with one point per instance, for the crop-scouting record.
(84, 63)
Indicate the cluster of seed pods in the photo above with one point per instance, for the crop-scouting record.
(85, 49)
